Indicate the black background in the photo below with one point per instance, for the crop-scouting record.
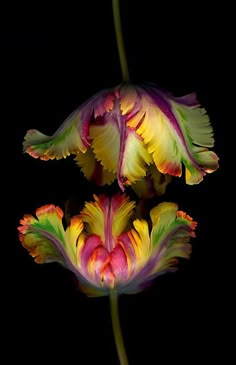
(53, 60)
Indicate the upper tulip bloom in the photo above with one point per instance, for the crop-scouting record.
(104, 251)
(122, 131)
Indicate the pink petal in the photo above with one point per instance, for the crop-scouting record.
(90, 245)
(119, 264)
(96, 264)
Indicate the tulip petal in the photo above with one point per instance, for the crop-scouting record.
(74, 240)
(99, 268)
(107, 217)
(91, 243)
(198, 133)
(106, 145)
(171, 128)
(162, 216)
(124, 240)
(136, 245)
(141, 241)
(133, 161)
(157, 254)
(130, 101)
(70, 138)
(47, 241)
(44, 237)
(194, 123)
(73, 135)
(171, 232)
(95, 261)
(119, 264)
(92, 169)
(158, 136)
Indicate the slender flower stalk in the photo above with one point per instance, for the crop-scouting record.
(125, 76)
(120, 40)
(117, 330)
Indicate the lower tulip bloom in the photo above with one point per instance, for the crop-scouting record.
(103, 249)
(120, 132)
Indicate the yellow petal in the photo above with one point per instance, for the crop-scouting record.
(161, 139)
(107, 217)
(135, 158)
(106, 145)
(73, 238)
(92, 169)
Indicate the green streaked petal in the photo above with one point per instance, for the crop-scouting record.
(170, 235)
(65, 141)
(44, 236)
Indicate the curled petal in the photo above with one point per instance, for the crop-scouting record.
(65, 141)
(175, 132)
(44, 237)
(47, 241)
(73, 135)
(171, 232)
(169, 239)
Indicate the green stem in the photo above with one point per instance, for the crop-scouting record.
(117, 330)
(120, 41)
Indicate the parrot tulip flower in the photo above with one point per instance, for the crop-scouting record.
(119, 133)
(103, 249)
